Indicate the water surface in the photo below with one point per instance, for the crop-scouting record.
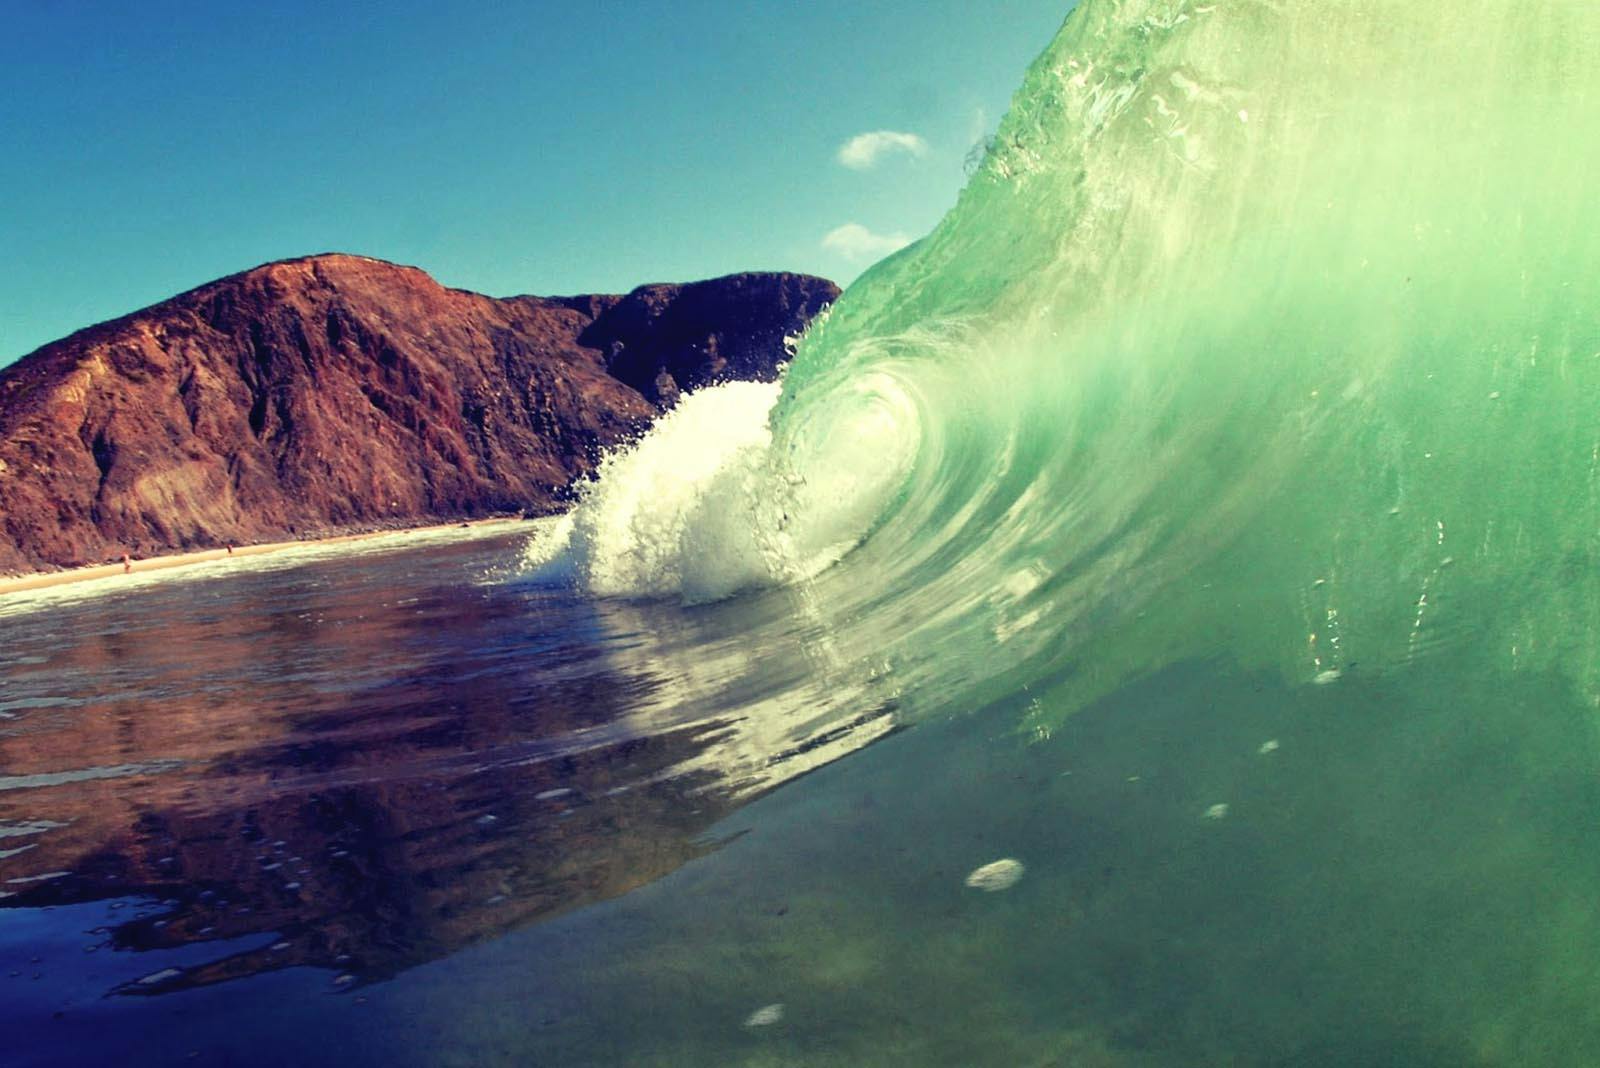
(1204, 520)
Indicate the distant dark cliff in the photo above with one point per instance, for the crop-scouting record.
(338, 393)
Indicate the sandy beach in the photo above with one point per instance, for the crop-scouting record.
(44, 580)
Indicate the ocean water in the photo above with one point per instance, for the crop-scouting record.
(239, 804)
(1156, 622)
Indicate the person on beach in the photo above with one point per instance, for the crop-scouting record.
(127, 563)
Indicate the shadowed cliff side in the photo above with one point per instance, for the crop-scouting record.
(337, 393)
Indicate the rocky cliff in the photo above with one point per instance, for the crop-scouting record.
(338, 393)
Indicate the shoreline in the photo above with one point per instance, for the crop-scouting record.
(97, 572)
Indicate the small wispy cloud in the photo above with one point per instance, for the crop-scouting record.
(864, 150)
(978, 126)
(854, 241)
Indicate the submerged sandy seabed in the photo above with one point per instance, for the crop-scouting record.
(108, 572)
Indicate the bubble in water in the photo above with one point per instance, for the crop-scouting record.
(997, 875)
(765, 1016)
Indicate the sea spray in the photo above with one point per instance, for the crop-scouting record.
(701, 508)
(683, 492)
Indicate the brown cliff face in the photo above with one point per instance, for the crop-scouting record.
(338, 393)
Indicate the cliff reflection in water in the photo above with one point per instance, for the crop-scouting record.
(371, 763)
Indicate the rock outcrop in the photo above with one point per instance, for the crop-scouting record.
(338, 393)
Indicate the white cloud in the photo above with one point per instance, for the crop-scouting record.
(863, 151)
(854, 241)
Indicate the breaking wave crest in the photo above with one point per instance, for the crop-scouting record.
(1263, 331)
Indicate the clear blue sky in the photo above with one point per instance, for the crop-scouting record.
(505, 147)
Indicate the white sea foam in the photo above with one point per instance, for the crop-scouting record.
(681, 490)
(704, 505)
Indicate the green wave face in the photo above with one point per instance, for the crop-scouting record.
(1214, 492)
(1267, 331)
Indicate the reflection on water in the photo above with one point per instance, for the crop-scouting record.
(409, 810)
(367, 763)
